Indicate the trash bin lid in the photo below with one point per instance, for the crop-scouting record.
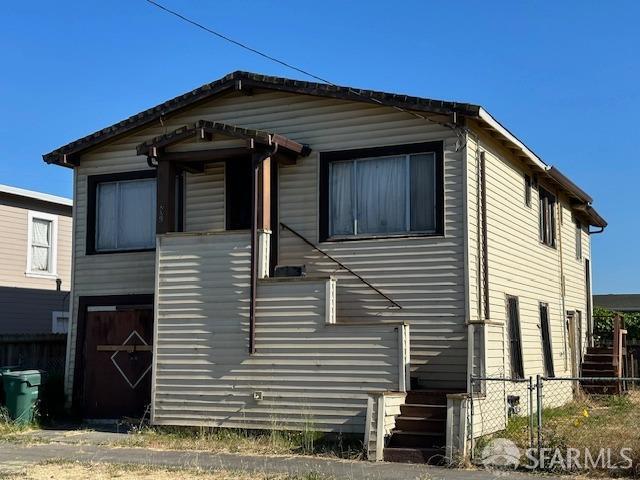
(32, 377)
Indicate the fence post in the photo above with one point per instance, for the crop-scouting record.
(471, 421)
(539, 404)
(531, 426)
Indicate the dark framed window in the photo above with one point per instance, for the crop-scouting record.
(121, 212)
(527, 190)
(578, 240)
(515, 338)
(545, 331)
(547, 217)
(382, 192)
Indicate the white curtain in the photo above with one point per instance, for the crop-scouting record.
(107, 218)
(126, 214)
(381, 203)
(423, 192)
(341, 198)
(40, 245)
(136, 214)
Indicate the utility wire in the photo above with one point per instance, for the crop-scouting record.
(286, 64)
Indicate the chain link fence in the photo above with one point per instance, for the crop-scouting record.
(557, 424)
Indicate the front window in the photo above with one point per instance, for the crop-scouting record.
(547, 218)
(124, 214)
(383, 195)
(42, 239)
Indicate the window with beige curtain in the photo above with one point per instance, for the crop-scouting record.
(384, 195)
(41, 242)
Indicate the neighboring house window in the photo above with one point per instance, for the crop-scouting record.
(42, 244)
(547, 350)
(382, 192)
(515, 338)
(547, 217)
(527, 190)
(121, 212)
(59, 322)
(578, 240)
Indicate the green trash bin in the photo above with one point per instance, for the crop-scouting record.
(4, 370)
(22, 389)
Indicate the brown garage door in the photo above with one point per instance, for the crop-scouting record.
(117, 367)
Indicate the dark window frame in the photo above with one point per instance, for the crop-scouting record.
(528, 187)
(326, 158)
(515, 337)
(547, 217)
(92, 187)
(578, 240)
(547, 342)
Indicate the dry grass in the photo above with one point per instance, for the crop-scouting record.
(272, 442)
(102, 471)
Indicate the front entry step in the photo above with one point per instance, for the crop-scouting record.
(420, 433)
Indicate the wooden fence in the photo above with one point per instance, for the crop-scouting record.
(34, 351)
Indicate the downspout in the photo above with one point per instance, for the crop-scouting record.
(485, 237)
(257, 160)
(558, 225)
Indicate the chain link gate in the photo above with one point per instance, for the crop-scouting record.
(585, 422)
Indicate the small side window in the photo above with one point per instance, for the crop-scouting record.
(527, 190)
(578, 240)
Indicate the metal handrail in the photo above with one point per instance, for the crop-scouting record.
(342, 265)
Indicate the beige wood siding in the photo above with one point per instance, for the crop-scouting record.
(204, 207)
(14, 241)
(425, 275)
(519, 264)
(311, 374)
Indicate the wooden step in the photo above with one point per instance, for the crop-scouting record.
(410, 439)
(600, 350)
(597, 388)
(424, 411)
(433, 456)
(599, 372)
(420, 424)
(599, 357)
(426, 397)
(588, 365)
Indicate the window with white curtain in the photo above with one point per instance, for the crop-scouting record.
(383, 195)
(125, 215)
(42, 235)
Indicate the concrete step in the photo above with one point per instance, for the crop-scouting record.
(410, 439)
(433, 456)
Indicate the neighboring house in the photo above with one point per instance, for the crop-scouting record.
(618, 302)
(459, 252)
(35, 259)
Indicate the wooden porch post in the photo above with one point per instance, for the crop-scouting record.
(166, 197)
(260, 219)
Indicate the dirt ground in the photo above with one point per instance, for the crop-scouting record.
(103, 471)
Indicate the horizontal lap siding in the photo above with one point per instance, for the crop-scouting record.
(425, 275)
(14, 245)
(312, 375)
(520, 265)
(204, 200)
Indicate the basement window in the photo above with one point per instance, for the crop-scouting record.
(547, 217)
(382, 192)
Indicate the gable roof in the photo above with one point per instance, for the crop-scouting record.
(620, 302)
(445, 112)
(43, 197)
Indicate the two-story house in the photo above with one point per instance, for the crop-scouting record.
(263, 252)
(35, 261)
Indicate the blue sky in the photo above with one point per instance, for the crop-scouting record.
(563, 76)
